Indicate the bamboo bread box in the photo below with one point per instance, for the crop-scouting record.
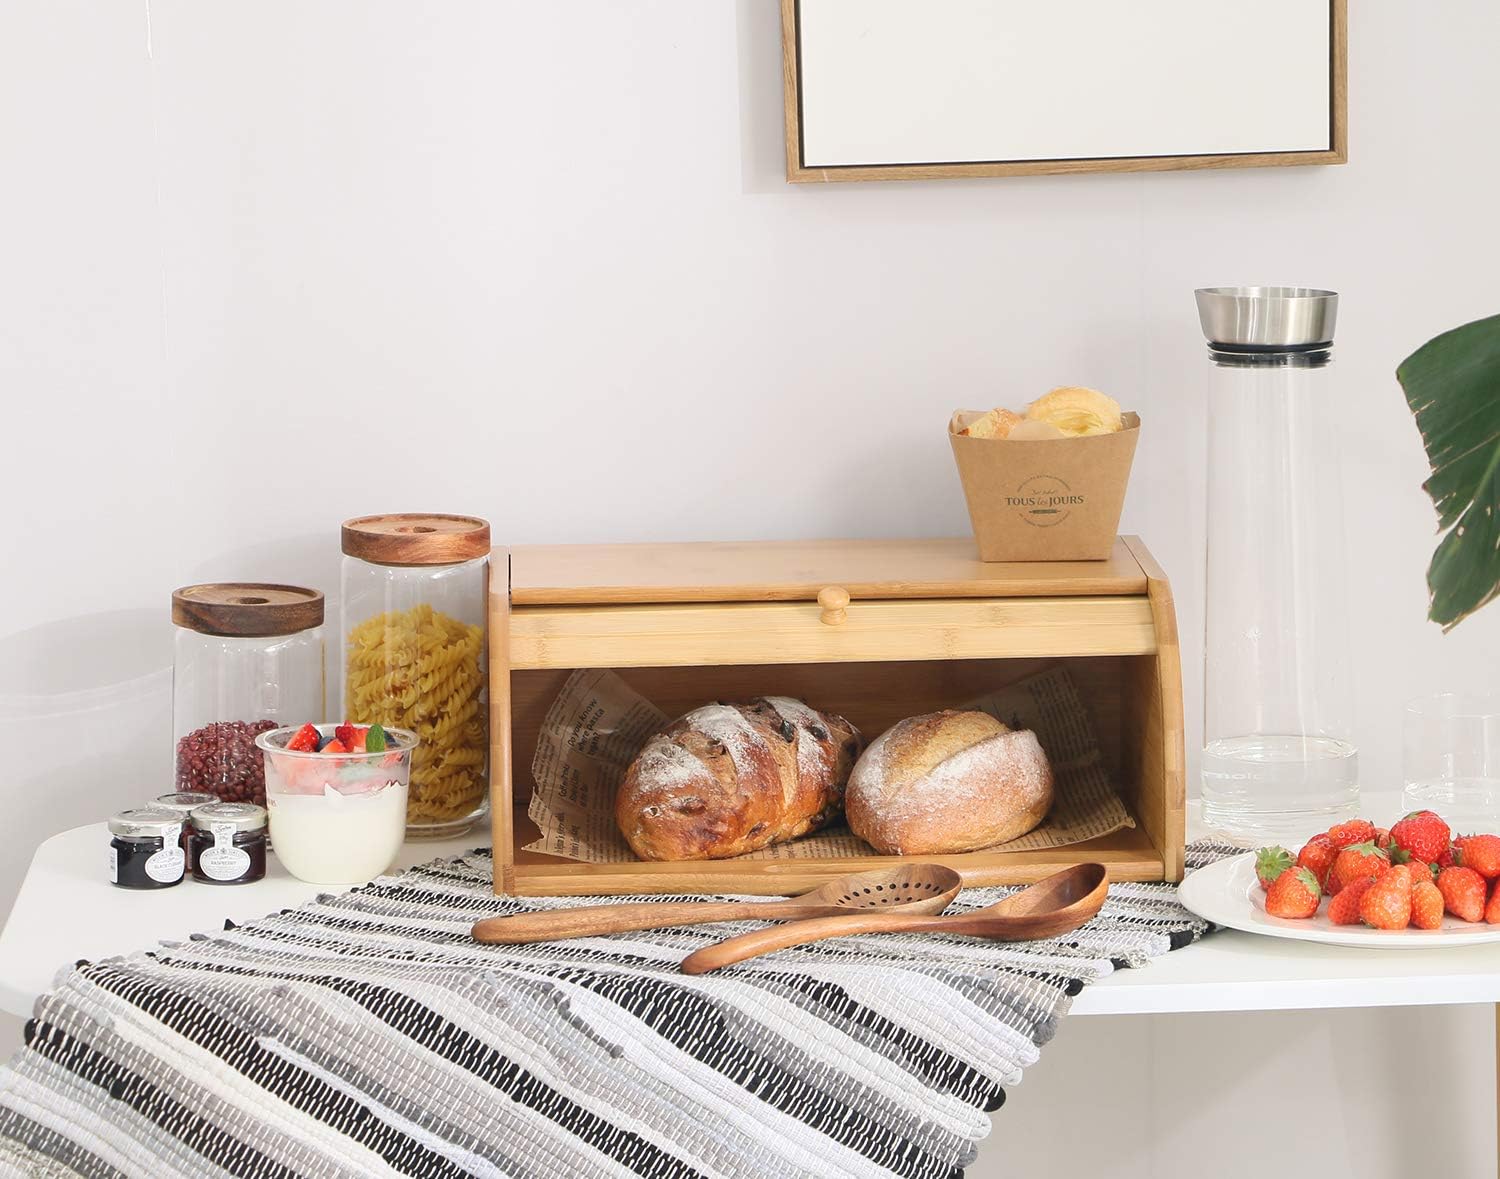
(876, 631)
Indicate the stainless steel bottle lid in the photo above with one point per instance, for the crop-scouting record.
(1268, 318)
(146, 821)
(183, 801)
(242, 816)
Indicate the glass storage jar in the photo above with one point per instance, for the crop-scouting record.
(415, 592)
(248, 658)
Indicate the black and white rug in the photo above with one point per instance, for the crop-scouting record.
(366, 1034)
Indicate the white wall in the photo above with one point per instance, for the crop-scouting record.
(537, 261)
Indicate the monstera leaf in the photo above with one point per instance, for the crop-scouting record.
(1452, 385)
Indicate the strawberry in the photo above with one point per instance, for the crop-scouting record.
(1480, 852)
(1295, 893)
(1344, 908)
(1317, 857)
(335, 746)
(1354, 831)
(1492, 907)
(1387, 903)
(1419, 870)
(1271, 862)
(1355, 861)
(304, 740)
(1463, 892)
(1426, 905)
(344, 733)
(1422, 835)
(1445, 860)
(1382, 839)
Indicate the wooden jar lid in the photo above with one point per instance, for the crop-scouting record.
(247, 609)
(416, 538)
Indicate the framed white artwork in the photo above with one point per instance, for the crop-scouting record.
(912, 89)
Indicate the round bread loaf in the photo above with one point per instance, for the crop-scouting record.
(948, 782)
(727, 779)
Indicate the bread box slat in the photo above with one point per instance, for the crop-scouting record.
(928, 626)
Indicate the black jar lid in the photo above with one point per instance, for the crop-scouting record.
(144, 822)
(247, 609)
(243, 817)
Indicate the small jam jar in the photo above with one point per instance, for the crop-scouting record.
(183, 802)
(228, 844)
(145, 848)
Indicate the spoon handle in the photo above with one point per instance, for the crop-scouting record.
(799, 933)
(556, 924)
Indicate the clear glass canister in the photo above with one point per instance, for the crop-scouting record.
(415, 592)
(1279, 760)
(247, 658)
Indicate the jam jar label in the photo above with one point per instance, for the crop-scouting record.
(165, 866)
(114, 864)
(223, 861)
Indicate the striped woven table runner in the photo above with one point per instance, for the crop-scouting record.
(366, 1034)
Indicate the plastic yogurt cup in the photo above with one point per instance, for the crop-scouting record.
(337, 818)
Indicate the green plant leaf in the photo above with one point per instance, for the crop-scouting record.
(1452, 385)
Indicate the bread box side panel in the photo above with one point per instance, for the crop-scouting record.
(1154, 762)
(502, 744)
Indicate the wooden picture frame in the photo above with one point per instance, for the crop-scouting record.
(799, 171)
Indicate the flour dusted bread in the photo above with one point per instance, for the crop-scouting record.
(727, 779)
(948, 782)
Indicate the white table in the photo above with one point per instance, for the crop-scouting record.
(67, 910)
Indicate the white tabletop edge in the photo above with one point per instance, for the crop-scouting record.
(1225, 971)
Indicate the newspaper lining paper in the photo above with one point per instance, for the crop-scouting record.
(598, 724)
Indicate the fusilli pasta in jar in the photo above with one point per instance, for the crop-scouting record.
(415, 589)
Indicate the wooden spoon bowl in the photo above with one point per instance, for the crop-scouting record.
(908, 888)
(1063, 901)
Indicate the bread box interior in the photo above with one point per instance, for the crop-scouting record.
(927, 626)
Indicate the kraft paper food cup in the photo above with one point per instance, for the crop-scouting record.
(1055, 499)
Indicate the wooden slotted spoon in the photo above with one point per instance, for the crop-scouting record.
(911, 888)
(1063, 901)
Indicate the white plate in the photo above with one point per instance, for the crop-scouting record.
(1228, 894)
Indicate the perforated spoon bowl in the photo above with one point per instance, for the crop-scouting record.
(910, 888)
(1063, 901)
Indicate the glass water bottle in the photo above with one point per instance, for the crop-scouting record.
(1278, 759)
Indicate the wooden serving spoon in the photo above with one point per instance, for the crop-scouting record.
(1063, 901)
(911, 888)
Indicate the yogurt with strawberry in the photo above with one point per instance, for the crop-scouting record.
(337, 799)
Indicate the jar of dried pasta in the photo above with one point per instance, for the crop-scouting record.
(415, 590)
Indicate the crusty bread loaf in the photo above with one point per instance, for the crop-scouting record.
(948, 782)
(727, 779)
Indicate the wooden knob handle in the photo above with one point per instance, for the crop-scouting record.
(835, 603)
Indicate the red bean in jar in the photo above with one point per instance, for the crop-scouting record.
(248, 658)
(221, 759)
